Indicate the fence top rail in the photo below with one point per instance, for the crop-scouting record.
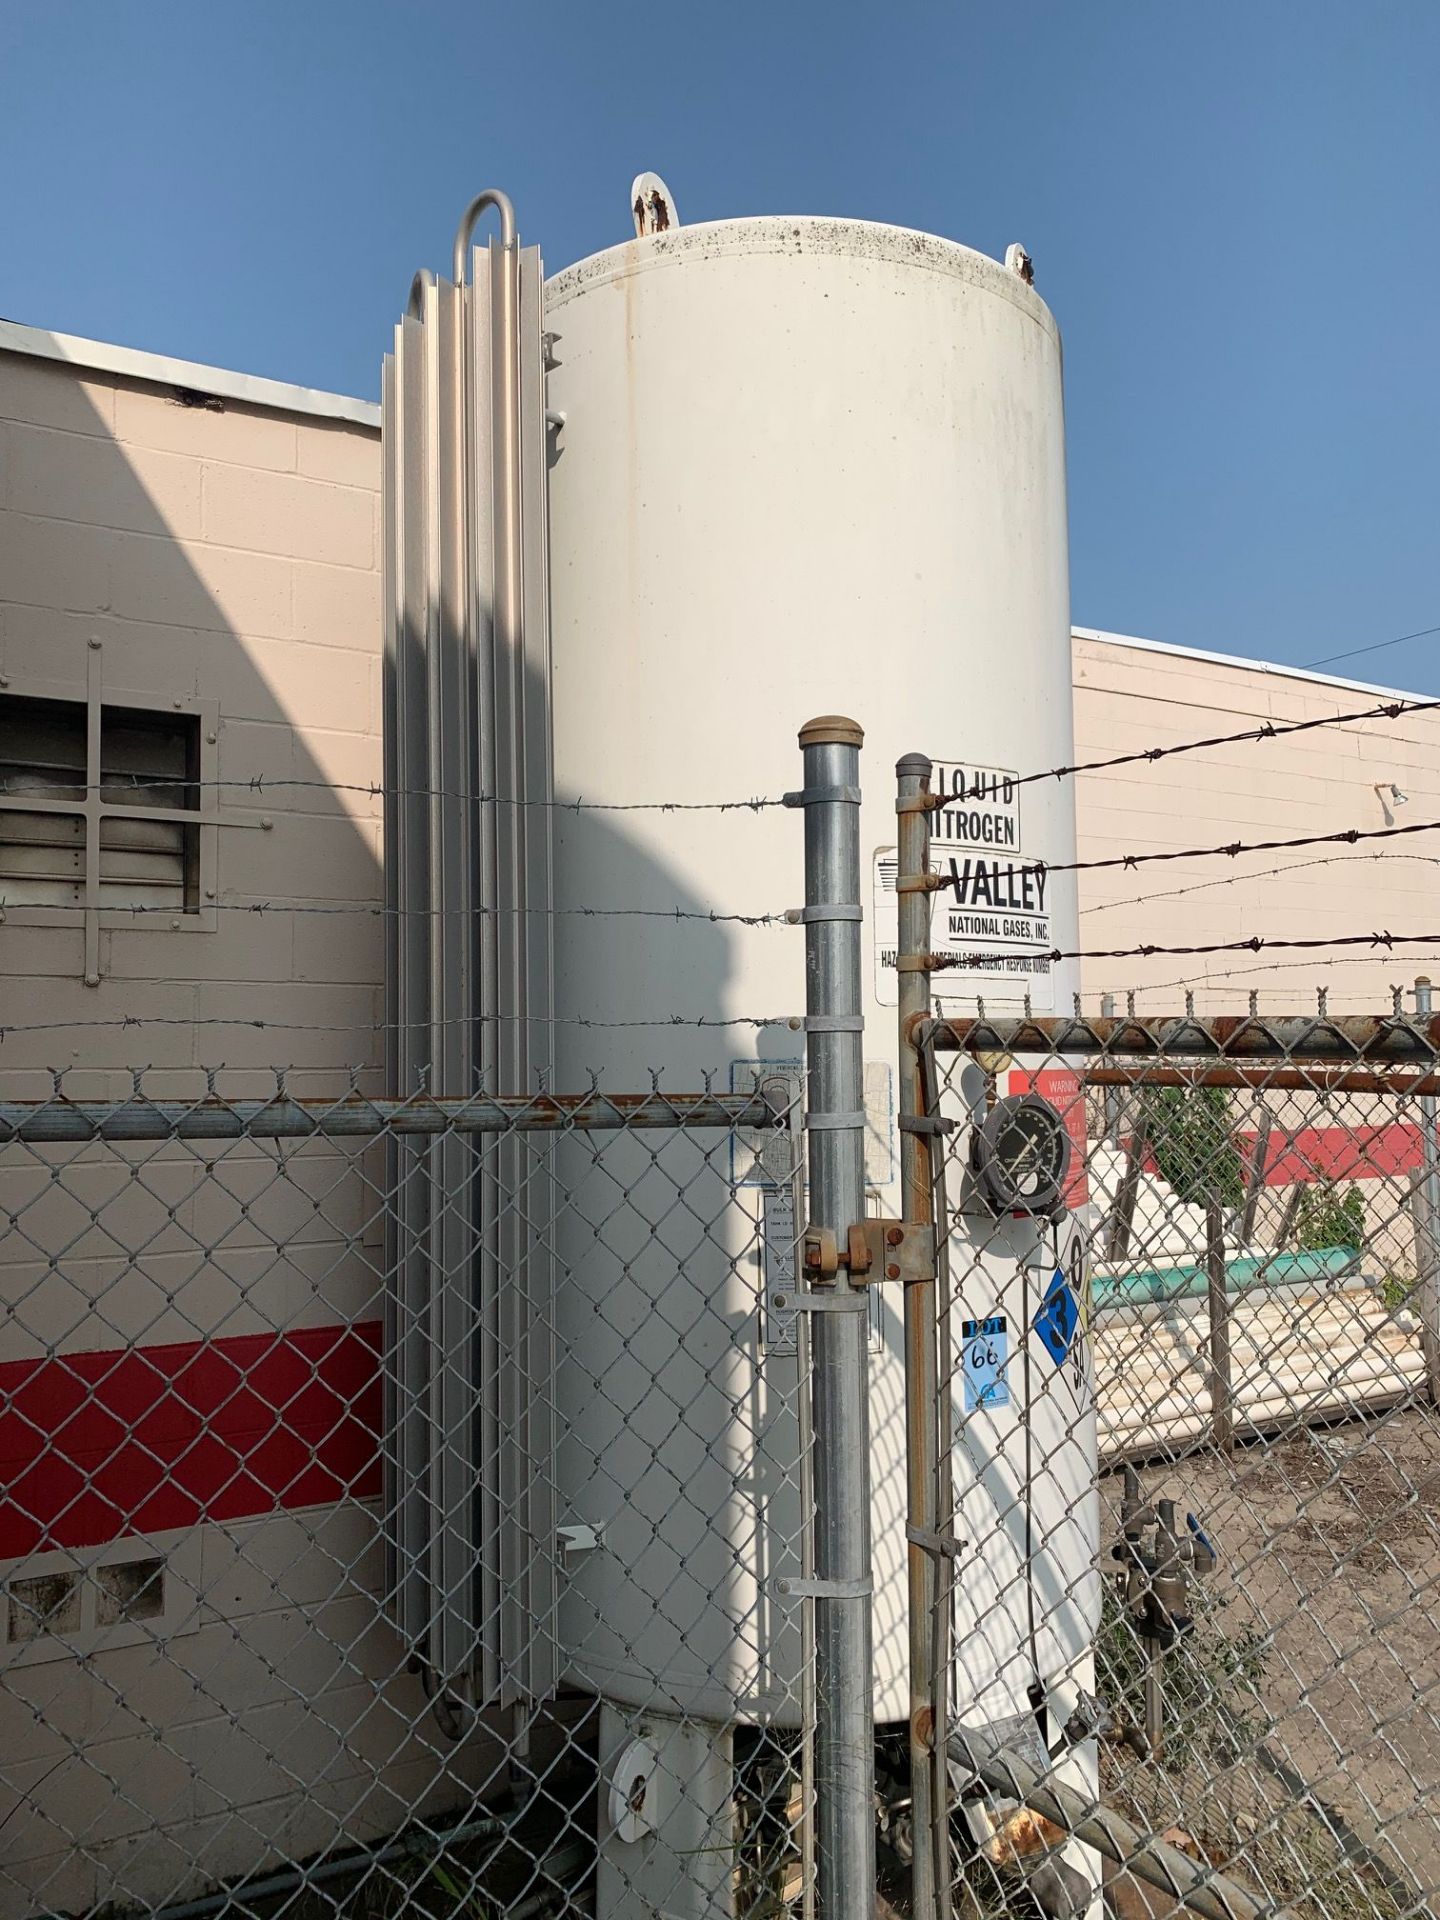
(282, 1118)
(1335, 1037)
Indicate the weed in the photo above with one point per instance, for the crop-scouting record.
(1192, 1139)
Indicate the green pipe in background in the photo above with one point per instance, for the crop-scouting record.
(1187, 1280)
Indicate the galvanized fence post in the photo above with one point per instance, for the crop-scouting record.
(835, 1123)
(1426, 1210)
(1111, 1095)
(930, 1873)
(1222, 1412)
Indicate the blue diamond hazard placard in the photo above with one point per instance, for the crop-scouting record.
(1057, 1319)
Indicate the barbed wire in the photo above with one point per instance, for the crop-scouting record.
(1257, 943)
(1347, 836)
(379, 910)
(1264, 873)
(261, 783)
(1240, 973)
(1269, 730)
(260, 1024)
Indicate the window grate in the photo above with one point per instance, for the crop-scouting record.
(146, 760)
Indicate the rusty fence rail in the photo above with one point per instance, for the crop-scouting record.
(357, 1116)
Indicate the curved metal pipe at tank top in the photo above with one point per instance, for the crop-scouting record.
(503, 205)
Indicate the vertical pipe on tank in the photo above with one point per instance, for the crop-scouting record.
(835, 1119)
(930, 1871)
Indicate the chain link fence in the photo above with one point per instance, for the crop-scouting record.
(646, 1500)
(275, 1566)
(1203, 1249)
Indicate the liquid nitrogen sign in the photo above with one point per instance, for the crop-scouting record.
(993, 912)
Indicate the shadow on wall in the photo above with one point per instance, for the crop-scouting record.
(189, 1387)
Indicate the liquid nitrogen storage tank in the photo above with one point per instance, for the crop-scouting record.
(805, 465)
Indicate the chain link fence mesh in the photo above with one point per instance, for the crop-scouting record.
(214, 1700)
(1244, 1240)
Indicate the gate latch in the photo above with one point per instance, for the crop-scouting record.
(875, 1250)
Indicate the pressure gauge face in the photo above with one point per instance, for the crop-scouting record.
(1021, 1155)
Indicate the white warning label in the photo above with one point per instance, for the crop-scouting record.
(993, 912)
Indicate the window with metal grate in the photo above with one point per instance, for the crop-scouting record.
(145, 760)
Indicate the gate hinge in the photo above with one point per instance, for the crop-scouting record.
(875, 1250)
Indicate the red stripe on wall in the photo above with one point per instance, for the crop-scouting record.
(1336, 1153)
(96, 1445)
(1310, 1154)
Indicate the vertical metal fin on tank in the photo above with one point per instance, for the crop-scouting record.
(468, 783)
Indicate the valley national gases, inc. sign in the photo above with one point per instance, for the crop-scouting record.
(994, 909)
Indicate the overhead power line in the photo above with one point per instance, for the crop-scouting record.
(1353, 653)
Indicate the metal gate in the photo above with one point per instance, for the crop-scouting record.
(1234, 1288)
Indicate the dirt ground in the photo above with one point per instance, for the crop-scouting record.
(1319, 1638)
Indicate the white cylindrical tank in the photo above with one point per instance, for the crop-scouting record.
(806, 465)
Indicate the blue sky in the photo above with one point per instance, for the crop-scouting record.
(1234, 211)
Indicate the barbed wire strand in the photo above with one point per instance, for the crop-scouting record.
(1239, 973)
(376, 790)
(262, 783)
(1257, 943)
(1263, 873)
(263, 1025)
(1231, 849)
(378, 910)
(1269, 730)
(1348, 836)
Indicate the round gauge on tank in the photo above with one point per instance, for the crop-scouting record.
(1021, 1154)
